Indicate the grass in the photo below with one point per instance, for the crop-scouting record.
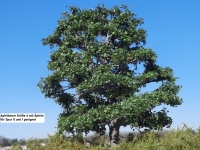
(174, 139)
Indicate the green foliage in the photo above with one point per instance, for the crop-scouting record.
(93, 47)
(186, 139)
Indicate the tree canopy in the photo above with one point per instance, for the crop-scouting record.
(94, 49)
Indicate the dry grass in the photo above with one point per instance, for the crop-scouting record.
(175, 139)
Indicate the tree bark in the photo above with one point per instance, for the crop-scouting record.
(114, 127)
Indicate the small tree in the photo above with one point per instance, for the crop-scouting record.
(94, 50)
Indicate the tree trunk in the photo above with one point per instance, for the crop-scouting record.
(114, 127)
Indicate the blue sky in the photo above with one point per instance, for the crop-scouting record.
(173, 33)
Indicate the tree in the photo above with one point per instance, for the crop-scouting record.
(95, 48)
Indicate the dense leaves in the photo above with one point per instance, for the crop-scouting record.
(94, 49)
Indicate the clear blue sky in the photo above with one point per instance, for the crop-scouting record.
(173, 29)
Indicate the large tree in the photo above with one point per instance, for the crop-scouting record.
(94, 49)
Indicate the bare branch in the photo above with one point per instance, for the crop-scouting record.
(76, 36)
(81, 48)
(86, 46)
(65, 86)
(108, 38)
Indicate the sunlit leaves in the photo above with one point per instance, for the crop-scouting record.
(99, 68)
